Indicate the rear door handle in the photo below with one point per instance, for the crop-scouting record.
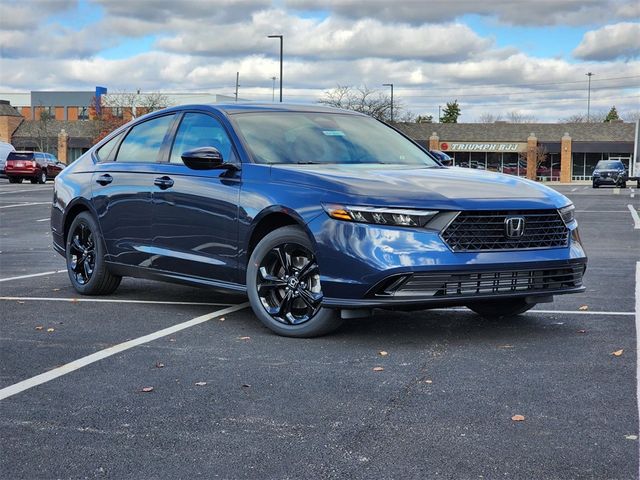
(163, 182)
(105, 179)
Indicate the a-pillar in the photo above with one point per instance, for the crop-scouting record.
(565, 159)
(434, 142)
(63, 147)
(532, 154)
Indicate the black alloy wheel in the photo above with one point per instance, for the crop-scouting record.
(288, 284)
(283, 285)
(42, 178)
(85, 251)
(82, 261)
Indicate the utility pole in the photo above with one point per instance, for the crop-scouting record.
(281, 42)
(439, 114)
(273, 92)
(589, 97)
(237, 84)
(390, 85)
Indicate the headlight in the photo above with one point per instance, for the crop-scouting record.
(568, 214)
(380, 216)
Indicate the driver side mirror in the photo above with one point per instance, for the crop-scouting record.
(447, 162)
(204, 158)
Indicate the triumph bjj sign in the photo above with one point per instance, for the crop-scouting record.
(483, 147)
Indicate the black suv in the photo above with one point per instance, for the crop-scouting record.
(610, 172)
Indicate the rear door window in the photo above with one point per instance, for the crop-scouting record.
(144, 141)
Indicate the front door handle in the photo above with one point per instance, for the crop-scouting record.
(163, 182)
(105, 179)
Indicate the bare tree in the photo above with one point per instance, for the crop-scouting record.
(632, 116)
(489, 118)
(597, 116)
(43, 137)
(515, 116)
(540, 153)
(365, 100)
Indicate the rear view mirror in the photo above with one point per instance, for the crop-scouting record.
(203, 158)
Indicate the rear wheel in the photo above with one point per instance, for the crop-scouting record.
(15, 180)
(595, 185)
(42, 177)
(283, 285)
(34, 180)
(501, 308)
(85, 258)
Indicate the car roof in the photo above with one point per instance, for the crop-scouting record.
(235, 108)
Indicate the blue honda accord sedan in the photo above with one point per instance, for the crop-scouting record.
(318, 215)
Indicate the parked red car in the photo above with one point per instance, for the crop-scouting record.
(36, 166)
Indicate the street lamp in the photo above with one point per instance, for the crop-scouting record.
(390, 85)
(280, 37)
(273, 91)
(589, 97)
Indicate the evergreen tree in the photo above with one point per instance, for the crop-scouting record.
(450, 113)
(612, 115)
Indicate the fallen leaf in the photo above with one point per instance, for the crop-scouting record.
(172, 339)
(518, 418)
(584, 307)
(159, 365)
(39, 327)
(383, 353)
(75, 300)
(582, 331)
(221, 319)
(428, 381)
(245, 338)
(51, 330)
(617, 353)
(56, 290)
(505, 346)
(201, 384)
(20, 302)
(147, 389)
(631, 437)
(245, 385)
(378, 369)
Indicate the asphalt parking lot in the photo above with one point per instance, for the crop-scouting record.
(231, 400)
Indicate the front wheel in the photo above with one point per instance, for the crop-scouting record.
(85, 254)
(283, 285)
(595, 185)
(495, 309)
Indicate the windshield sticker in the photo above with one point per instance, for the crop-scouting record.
(333, 133)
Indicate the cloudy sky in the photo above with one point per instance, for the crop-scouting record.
(493, 56)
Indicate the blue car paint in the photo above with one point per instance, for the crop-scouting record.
(221, 208)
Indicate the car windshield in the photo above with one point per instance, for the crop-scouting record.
(609, 165)
(307, 138)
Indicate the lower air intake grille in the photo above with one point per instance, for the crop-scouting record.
(474, 231)
(452, 284)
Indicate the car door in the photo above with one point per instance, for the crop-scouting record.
(122, 188)
(195, 229)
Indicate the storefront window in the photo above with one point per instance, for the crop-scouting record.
(510, 163)
(478, 160)
(554, 160)
(461, 159)
(577, 166)
(494, 161)
(625, 157)
(543, 169)
(591, 160)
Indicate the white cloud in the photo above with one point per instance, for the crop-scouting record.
(621, 40)
(514, 12)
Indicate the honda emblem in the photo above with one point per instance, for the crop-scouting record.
(514, 227)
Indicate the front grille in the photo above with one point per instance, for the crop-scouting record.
(496, 282)
(485, 230)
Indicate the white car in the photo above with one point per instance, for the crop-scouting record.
(5, 150)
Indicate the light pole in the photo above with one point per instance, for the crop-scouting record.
(439, 114)
(281, 41)
(273, 92)
(589, 97)
(390, 85)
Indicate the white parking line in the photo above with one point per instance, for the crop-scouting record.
(43, 219)
(109, 300)
(102, 354)
(8, 279)
(636, 218)
(25, 204)
(21, 191)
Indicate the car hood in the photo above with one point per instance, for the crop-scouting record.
(404, 186)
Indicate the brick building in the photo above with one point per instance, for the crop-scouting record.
(547, 151)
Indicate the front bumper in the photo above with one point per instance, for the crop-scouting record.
(359, 262)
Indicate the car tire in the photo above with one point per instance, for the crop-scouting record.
(496, 309)
(595, 185)
(15, 180)
(85, 253)
(283, 286)
(42, 177)
(623, 185)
